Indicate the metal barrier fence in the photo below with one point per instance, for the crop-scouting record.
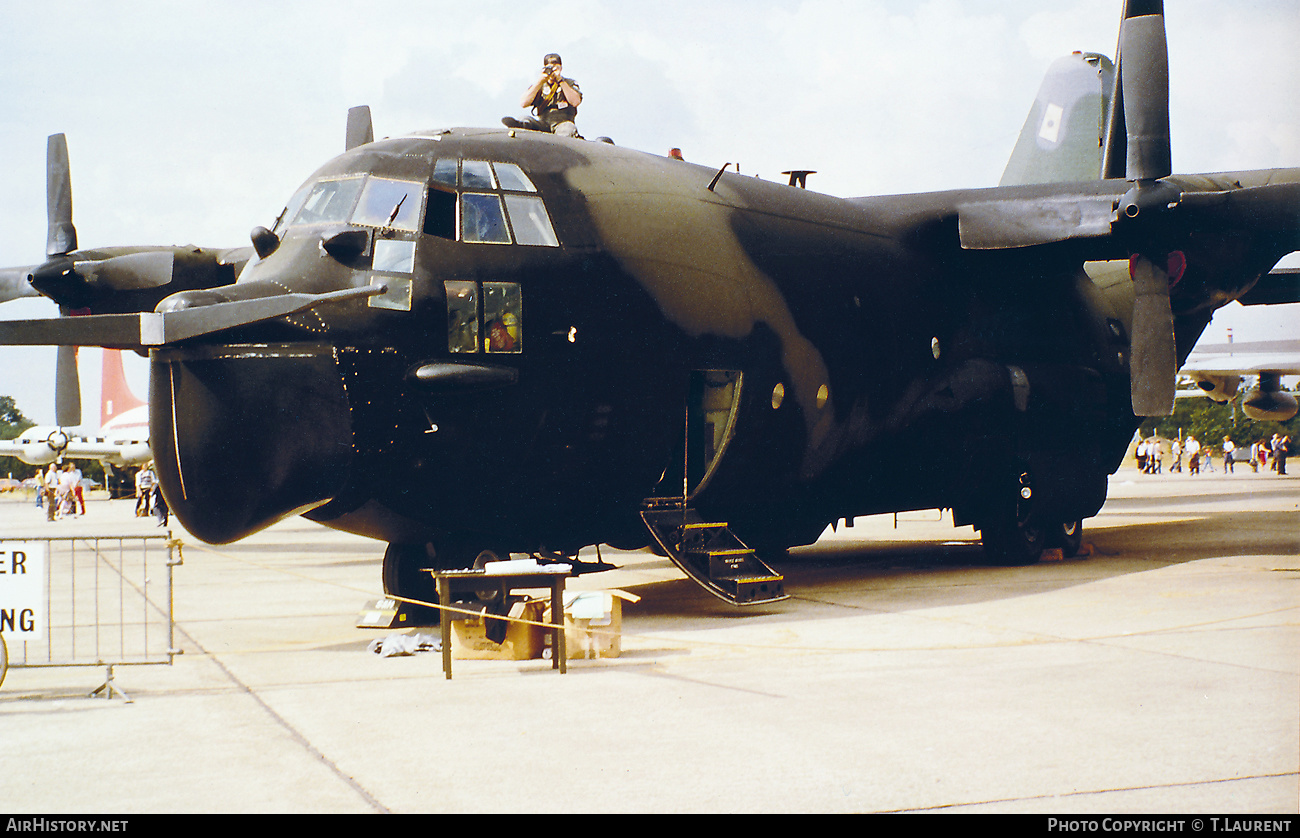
(88, 601)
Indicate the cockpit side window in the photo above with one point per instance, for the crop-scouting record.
(529, 220)
(444, 171)
(476, 174)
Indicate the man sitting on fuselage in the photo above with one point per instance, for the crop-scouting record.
(553, 98)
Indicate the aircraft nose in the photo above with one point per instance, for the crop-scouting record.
(246, 435)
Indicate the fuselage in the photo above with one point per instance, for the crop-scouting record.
(568, 328)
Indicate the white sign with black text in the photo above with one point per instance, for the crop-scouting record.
(22, 589)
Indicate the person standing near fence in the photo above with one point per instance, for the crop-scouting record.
(51, 489)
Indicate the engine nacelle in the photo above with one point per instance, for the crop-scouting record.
(1220, 388)
(38, 454)
(136, 454)
(1267, 401)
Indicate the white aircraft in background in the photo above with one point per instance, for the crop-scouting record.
(1217, 367)
(121, 440)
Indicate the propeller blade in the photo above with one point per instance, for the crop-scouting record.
(1144, 75)
(14, 284)
(1153, 360)
(62, 236)
(67, 388)
(360, 129)
(133, 271)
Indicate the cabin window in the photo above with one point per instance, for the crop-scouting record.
(462, 316)
(503, 309)
(390, 204)
(501, 329)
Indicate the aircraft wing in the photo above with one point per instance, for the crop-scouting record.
(1218, 369)
(1280, 285)
(1246, 358)
(41, 446)
(158, 328)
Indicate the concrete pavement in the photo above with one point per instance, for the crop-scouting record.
(1160, 674)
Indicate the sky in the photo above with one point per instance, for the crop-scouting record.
(192, 123)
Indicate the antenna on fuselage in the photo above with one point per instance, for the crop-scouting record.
(718, 176)
(361, 130)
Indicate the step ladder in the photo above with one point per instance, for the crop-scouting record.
(711, 555)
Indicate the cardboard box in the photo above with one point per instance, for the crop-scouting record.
(523, 641)
(593, 623)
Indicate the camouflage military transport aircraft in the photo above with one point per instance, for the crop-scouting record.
(474, 340)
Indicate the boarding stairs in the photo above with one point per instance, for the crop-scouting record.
(711, 555)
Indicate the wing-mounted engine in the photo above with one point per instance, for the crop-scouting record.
(1267, 401)
(1213, 234)
(1218, 388)
(112, 280)
(109, 280)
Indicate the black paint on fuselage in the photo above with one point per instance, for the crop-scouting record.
(883, 366)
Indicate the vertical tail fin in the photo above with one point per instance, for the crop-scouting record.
(115, 397)
(1061, 141)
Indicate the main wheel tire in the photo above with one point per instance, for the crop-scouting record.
(1014, 544)
(405, 576)
(1068, 536)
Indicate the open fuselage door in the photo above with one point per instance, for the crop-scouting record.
(708, 552)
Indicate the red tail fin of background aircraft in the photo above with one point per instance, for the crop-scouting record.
(115, 397)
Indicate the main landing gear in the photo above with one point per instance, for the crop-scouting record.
(406, 576)
(1019, 538)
